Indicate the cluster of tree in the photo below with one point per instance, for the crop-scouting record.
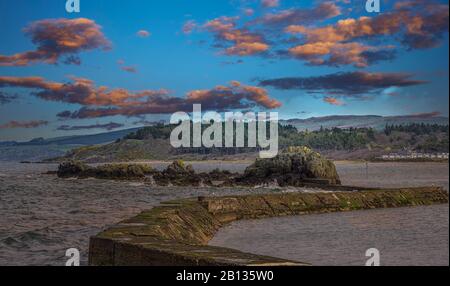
(434, 144)
(417, 128)
(158, 131)
(327, 139)
(323, 139)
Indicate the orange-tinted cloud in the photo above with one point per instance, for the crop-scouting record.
(235, 41)
(418, 26)
(333, 101)
(80, 91)
(235, 95)
(56, 38)
(23, 124)
(102, 101)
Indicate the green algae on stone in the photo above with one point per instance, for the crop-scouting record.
(291, 167)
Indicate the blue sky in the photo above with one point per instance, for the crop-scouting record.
(182, 62)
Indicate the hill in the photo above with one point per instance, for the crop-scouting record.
(364, 121)
(152, 143)
(41, 149)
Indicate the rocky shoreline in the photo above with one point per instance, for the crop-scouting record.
(297, 166)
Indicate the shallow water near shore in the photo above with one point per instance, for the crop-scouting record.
(417, 236)
(41, 215)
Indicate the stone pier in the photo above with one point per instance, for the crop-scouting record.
(177, 233)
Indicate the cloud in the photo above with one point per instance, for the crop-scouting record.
(423, 115)
(23, 124)
(6, 98)
(102, 101)
(130, 69)
(220, 99)
(189, 27)
(350, 84)
(56, 38)
(235, 41)
(418, 26)
(338, 53)
(248, 11)
(293, 16)
(270, 3)
(143, 34)
(107, 126)
(333, 101)
(80, 91)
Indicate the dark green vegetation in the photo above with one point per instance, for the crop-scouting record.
(152, 143)
(177, 232)
(294, 167)
(327, 139)
(425, 137)
(109, 171)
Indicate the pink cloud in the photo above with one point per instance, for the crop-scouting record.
(56, 38)
(23, 124)
(270, 3)
(143, 34)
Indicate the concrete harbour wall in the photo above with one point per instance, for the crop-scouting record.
(176, 233)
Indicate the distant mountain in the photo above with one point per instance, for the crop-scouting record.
(360, 121)
(94, 139)
(40, 149)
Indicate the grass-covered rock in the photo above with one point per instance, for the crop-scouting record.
(292, 167)
(72, 169)
(109, 171)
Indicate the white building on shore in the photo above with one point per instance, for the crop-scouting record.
(415, 155)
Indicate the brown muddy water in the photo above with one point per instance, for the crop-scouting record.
(41, 216)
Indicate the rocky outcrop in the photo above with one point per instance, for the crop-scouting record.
(109, 171)
(176, 233)
(293, 167)
(297, 166)
(179, 174)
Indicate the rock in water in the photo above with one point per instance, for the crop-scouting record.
(178, 174)
(293, 167)
(71, 169)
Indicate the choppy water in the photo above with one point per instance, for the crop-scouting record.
(416, 236)
(41, 216)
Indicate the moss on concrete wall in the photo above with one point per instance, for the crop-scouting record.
(176, 233)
